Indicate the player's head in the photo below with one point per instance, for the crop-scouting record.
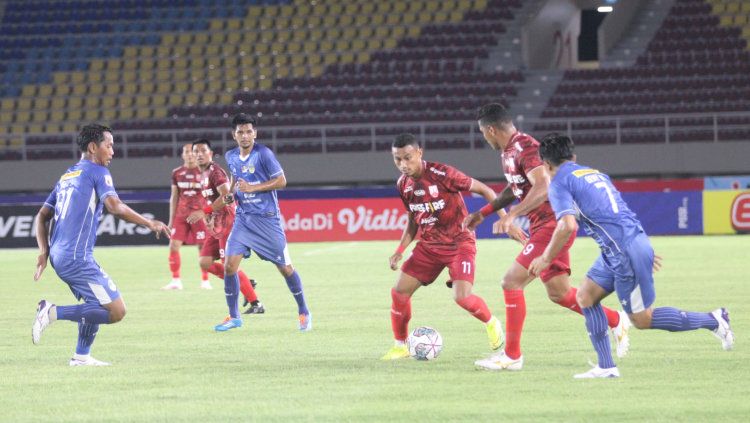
(556, 149)
(496, 125)
(407, 154)
(188, 156)
(96, 141)
(244, 131)
(204, 155)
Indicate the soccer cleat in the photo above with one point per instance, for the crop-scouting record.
(495, 333)
(597, 372)
(723, 331)
(500, 361)
(620, 335)
(256, 308)
(86, 360)
(305, 322)
(228, 324)
(396, 352)
(174, 285)
(206, 285)
(253, 283)
(41, 321)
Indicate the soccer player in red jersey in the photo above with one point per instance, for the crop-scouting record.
(528, 181)
(185, 198)
(431, 193)
(219, 217)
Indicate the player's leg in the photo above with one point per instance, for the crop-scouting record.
(246, 286)
(174, 258)
(406, 285)
(589, 296)
(198, 236)
(231, 293)
(205, 283)
(513, 284)
(294, 283)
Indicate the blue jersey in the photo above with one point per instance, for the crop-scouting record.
(258, 167)
(78, 201)
(589, 194)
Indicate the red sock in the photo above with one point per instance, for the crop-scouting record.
(174, 263)
(400, 314)
(204, 275)
(476, 306)
(246, 287)
(216, 269)
(569, 301)
(515, 314)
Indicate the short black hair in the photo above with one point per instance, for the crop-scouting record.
(203, 141)
(494, 114)
(243, 119)
(402, 140)
(556, 148)
(92, 132)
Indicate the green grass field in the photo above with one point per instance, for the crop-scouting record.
(169, 364)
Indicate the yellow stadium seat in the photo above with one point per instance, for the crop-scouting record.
(265, 84)
(130, 88)
(132, 65)
(232, 85)
(745, 8)
(185, 38)
(108, 115)
(36, 128)
(191, 99)
(195, 50)
(726, 20)
(413, 32)
(215, 85)
(208, 99)
(91, 102)
(740, 20)
(298, 60)
(281, 60)
(314, 59)
(233, 24)
(142, 100)
(480, 4)
(143, 113)
(52, 128)
(23, 116)
(31, 90)
(159, 112)
(398, 19)
(131, 52)
(125, 114)
(111, 76)
(60, 77)
(91, 115)
(181, 63)
(264, 61)
(8, 103)
(109, 102)
(335, 9)
(41, 103)
(164, 87)
(158, 100)
(733, 7)
(59, 103)
(94, 77)
(114, 64)
(271, 11)
(96, 65)
(212, 50)
(372, 44)
(198, 86)
(162, 51)
(382, 32)
(147, 88)
(79, 89)
(330, 58)
(352, 9)
(390, 43)
(200, 38)
(17, 129)
(147, 64)
(325, 46)
(6, 117)
(125, 101)
(23, 103)
(75, 102)
(216, 25)
(343, 45)
(96, 89)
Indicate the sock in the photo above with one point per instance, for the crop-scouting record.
(295, 286)
(174, 263)
(217, 269)
(515, 314)
(476, 306)
(247, 289)
(596, 324)
(569, 302)
(204, 276)
(400, 315)
(84, 313)
(86, 334)
(232, 291)
(675, 320)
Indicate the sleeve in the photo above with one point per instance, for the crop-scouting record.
(174, 177)
(529, 158)
(455, 180)
(51, 199)
(273, 167)
(218, 176)
(400, 188)
(561, 200)
(103, 184)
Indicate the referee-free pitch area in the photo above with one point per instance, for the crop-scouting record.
(169, 365)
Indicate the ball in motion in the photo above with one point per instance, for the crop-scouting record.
(425, 343)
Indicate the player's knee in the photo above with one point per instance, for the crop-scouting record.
(584, 299)
(509, 284)
(641, 320)
(205, 263)
(555, 297)
(287, 270)
(230, 268)
(117, 314)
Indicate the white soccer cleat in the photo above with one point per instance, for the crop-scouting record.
(500, 361)
(620, 335)
(41, 321)
(597, 372)
(86, 360)
(206, 285)
(176, 284)
(723, 331)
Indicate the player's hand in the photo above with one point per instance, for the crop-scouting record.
(538, 265)
(472, 221)
(244, 186)
(504, 224)
(394, 259)
(159, 228)
(657, 263)
(516, 233)
(229, 199)
(195, 216)
(41, 264)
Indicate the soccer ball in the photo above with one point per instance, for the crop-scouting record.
(425, 343)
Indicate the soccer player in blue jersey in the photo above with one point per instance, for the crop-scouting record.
(257, 225)
(75, 206)
(626, 261)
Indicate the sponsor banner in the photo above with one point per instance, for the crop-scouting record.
(726, 212)
(723, 183)
(668, 213)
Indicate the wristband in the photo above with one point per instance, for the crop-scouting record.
(208, 209)
(487, 210)
(400, 249)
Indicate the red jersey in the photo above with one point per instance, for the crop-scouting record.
(520, 157)
(436, 205)
(211, 179)
(188, 185)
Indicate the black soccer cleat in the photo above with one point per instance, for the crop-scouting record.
(256, 308)
(253, 283)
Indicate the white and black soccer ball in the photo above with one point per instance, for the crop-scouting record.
(425, 343)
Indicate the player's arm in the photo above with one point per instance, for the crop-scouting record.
(537, 195)
(116, 207)
(566, 226)
(494, 204)
(278, 182)
(42, 224)
(173, 197)
(410, 232)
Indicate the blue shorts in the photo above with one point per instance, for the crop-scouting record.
(86, 280)
(629, 273)
(261, 234)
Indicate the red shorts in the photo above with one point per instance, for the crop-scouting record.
(426, 262)
(535, 247)
(214, 247)
(187, 233)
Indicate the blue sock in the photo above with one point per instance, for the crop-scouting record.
(86, 334)
(596, 324)
(84, 313)
(675, 320)
(232, 291)
(295, 286)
